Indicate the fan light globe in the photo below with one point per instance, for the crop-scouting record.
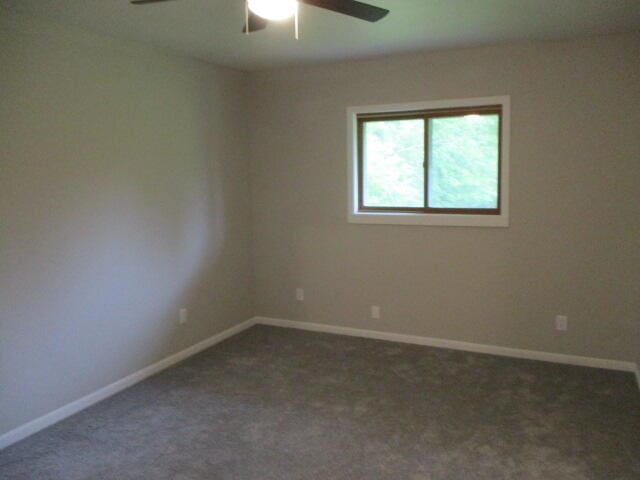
(273, 9)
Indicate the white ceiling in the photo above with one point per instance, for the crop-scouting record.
(210, 29)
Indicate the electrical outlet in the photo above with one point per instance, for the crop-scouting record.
(300, 294)
(562, 323)
(183, 316)
(375, 311)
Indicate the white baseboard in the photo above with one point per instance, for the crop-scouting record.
(61, 413)
(69, 409)
(456, 345)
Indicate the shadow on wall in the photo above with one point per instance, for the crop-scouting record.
(114, 200)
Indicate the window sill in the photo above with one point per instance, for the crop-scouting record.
(443, 220)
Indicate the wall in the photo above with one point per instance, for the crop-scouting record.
(123, 196)
(573, 246)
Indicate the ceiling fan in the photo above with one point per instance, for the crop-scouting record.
(259, 12)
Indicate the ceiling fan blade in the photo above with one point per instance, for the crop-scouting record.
(144, 2)
(352, 8)
(255, 23)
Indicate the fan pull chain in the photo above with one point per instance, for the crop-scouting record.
(246, 17)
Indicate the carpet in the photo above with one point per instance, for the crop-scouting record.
(276, 403)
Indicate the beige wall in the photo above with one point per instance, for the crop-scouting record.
(573, 246)
(123, 197)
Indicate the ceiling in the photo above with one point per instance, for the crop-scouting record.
(210, 29)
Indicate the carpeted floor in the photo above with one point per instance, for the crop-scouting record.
(275, 403)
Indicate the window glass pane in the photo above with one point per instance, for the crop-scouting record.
(463, 161)
(393, 157)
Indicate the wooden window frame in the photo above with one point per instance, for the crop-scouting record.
(426, 115)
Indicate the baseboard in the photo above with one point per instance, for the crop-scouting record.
(61, 413)
(456, 345)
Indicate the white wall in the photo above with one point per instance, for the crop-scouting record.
(573, 246)
(123, 196)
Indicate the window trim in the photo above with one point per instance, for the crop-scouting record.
(359, 213)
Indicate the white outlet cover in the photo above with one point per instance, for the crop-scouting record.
(299, 294)
(183, 315)
(375, 311)
(562, 323)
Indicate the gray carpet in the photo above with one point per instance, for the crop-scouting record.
(275, 403)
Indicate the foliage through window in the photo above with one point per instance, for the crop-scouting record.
(434, 161)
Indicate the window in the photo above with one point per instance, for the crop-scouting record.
(436, 163)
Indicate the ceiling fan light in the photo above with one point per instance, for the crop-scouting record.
(273, 9)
